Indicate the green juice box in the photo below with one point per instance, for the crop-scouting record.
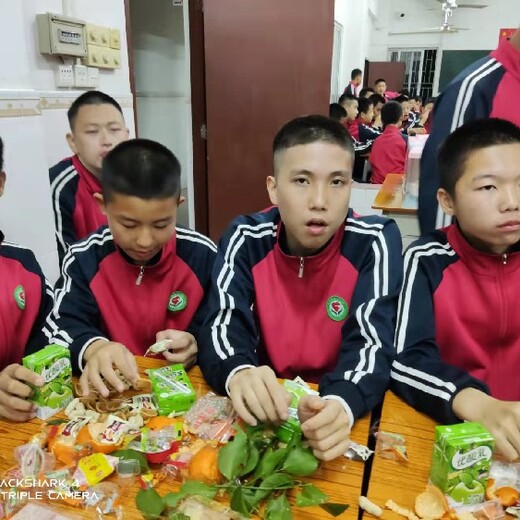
(172, 389)
(461, 460)
(53, 364)
(297, 388)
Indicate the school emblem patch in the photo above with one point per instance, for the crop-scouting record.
(337, 308)
(177, 301)
(19, 297)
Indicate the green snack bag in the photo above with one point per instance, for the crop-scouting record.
(298, 388)
(172, 389)
(53, 364)
(461, 460)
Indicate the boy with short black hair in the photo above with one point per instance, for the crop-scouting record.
(355, 81)
(337, 112)
(458, 326)
(137, 281)
(388, 153)
(25, 326)
(378, 101)
(305, 288)
(364, 121)
(96, 126)
(366, 92)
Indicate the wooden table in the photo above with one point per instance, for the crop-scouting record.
(341, 479)
(391, 196)
(402, 481)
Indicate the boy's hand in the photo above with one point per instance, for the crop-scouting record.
(183, 347)
(257, 394)
(326, 425)
(101, 357)
(14, 391)
(501, 418)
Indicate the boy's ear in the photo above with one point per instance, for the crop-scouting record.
(181, 200)
(2, 182)
(71, 142)
(271, 189)
(445, 201)
(98, 197)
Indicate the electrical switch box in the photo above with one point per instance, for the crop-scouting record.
(61, 35)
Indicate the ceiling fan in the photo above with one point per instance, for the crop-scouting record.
(447, 8)
(453, 4)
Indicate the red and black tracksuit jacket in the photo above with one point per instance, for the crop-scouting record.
(25, 303)
(328, 318)
(102, 294)
(458, 323)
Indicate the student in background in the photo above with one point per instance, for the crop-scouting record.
(337, 112)
(378, 101)
(388, 153)
(409, 125)
(427, 114)
(487, 88)
(96, 126)
(364, 121)
(352, 88)
(137, 281)
(380, 87)
(366, 92)
(350, 104)
(458, 326)
(305, 288)
(25, 326)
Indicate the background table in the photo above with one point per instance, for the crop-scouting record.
(402, 481)
(341, 479)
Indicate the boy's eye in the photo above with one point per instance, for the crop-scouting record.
(114, 129)
(161, 226)
(338, 182)
(487, 187)
(301, 180)
(129, 226)
(92, 131)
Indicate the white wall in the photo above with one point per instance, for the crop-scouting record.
(162, 79)
(33, 116)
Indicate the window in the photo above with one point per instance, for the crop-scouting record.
(336, 61)
(419, 72)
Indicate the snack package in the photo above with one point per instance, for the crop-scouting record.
(298, 388)
(42, 512)
(461, 460)
(504, 484)
(103, 499)
(172, 389)
(489, 510)
(391, 446)
(211, 418)
(53, 363)
(93, 469)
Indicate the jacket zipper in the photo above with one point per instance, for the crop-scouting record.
(140, 275)
(300, 272)
(504, 259)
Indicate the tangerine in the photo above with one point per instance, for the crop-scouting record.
(204, 466)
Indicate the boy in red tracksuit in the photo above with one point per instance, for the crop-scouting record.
(305, 288)
(388, 153)
(25, 303)
(458, 324)
(96, 126)
(137, 281)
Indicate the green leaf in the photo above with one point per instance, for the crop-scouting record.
(242, 501)
(269, 462)
(270, 483)
(300, 462)
(252, 460)
(232, 456)
(334, 509)
(54, 422)
(177, 515)
(132, 454)
(150, 503)
(190, 487)
(310, 496)
(278, 509)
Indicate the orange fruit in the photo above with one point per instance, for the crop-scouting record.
(204, 466)
(88, 436)
(160, 421)
(507, 495)
(64, 447)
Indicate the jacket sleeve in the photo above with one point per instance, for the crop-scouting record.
(366, 133)
(446, 119)
(418, 374)
(75, 311)
(362, 374)
(229, 335)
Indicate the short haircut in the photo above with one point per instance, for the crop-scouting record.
(337, 112)
(1, 154)
(141, 168)
(364, 90)
(418, 99)
(471, 137)
(401, 99)
(364, 105)
(430, 100)
(377, 98)
(404, 92)
(355, 73)
(312, 129)
(347, 98)
(92, 97)
(379, 80)
(391, 113)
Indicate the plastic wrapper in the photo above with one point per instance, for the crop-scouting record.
(489, 510)
(391, 446)
(198, 508)
(104, 500)
(32, 459)
(93, 469)
(211, 418)
(504, 483)
(35, 510)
